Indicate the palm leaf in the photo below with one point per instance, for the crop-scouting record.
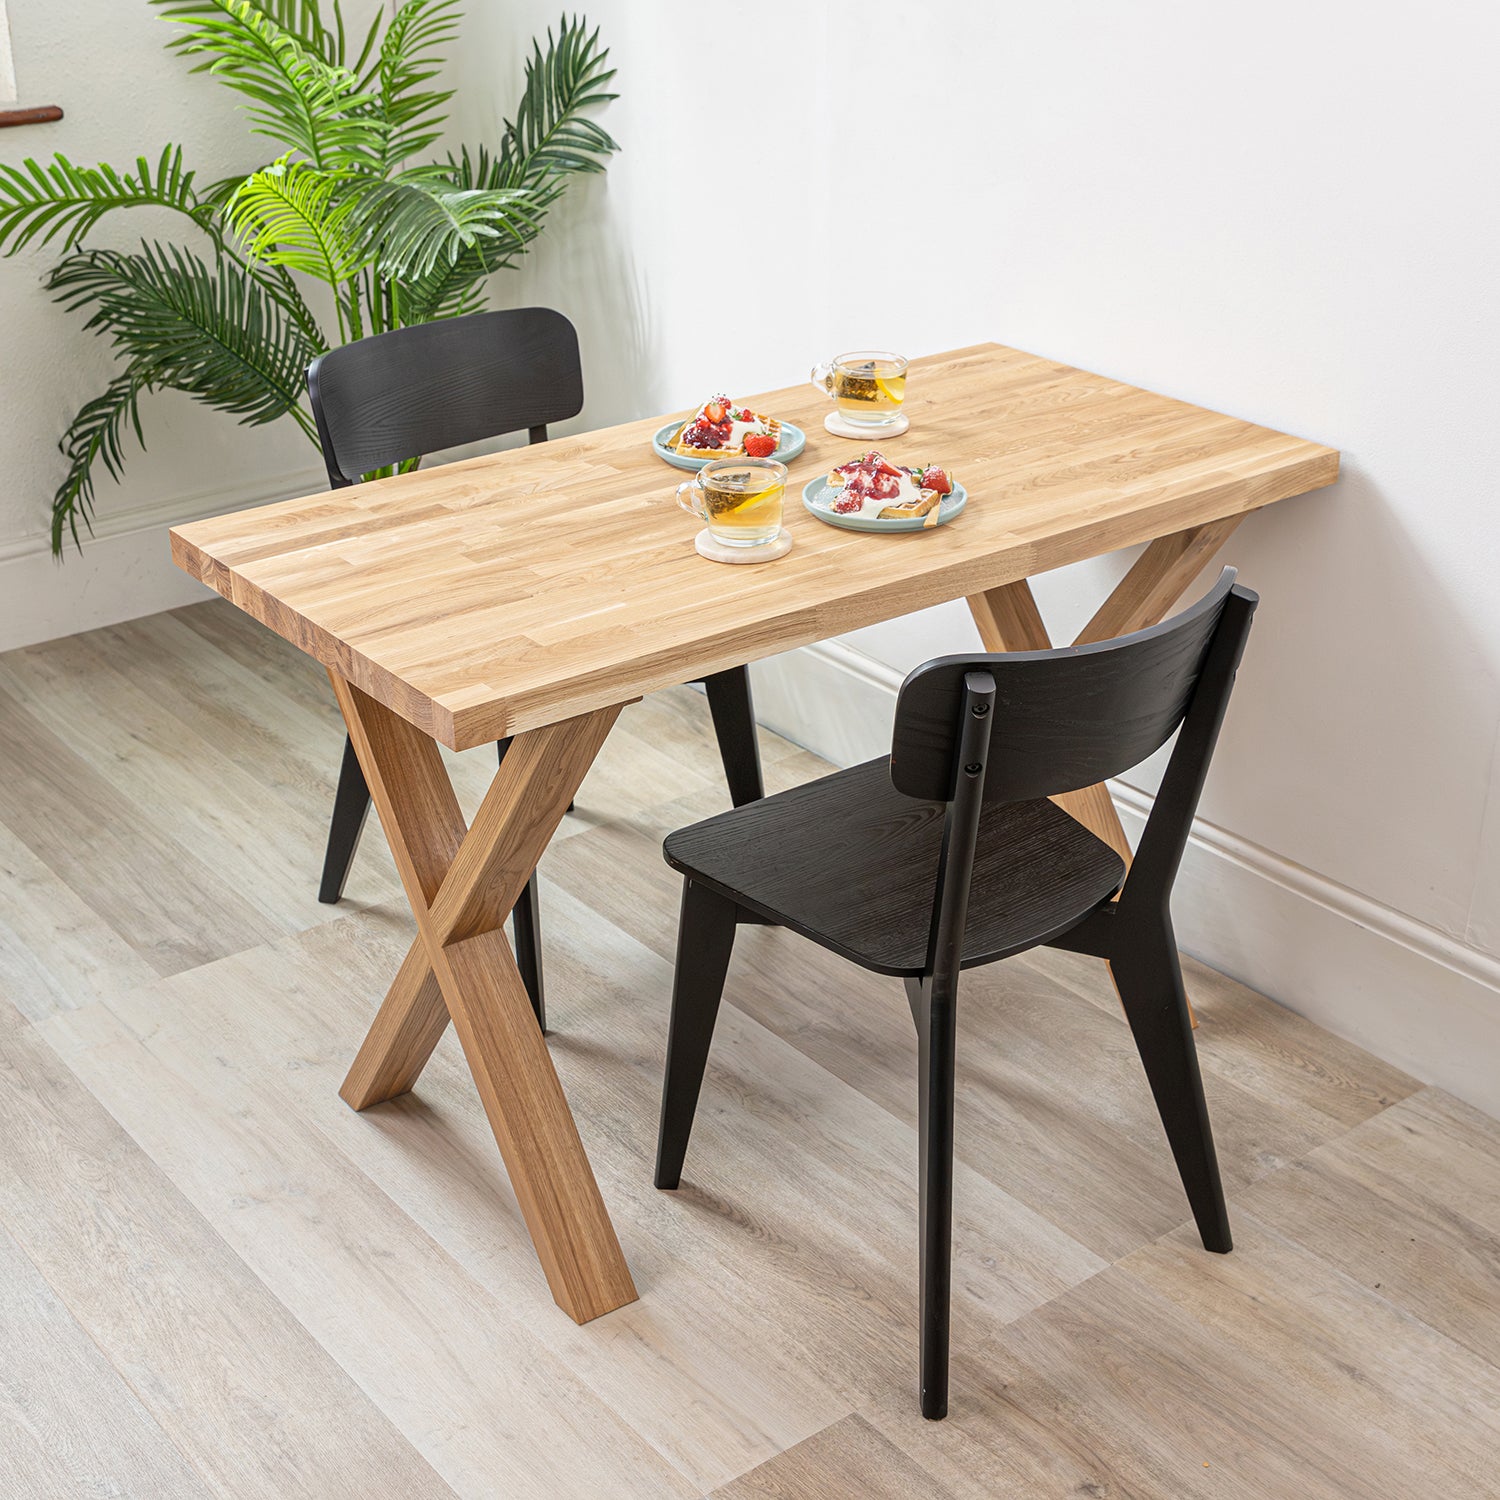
(455, 288)
(209, 330)
(419, 223)
(548, 140)
(407, 60)
(218, 195)
(301, 98)
(549, 133)
(291, 214)
(61, 199)
(303, 19)
(96, 432)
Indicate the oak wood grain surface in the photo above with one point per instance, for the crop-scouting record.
(476, 973)
(500, 593)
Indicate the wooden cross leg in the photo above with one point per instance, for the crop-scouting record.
(1009, 620)
(462, 884)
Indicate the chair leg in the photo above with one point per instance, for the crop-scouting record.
(936, 1040)
(734, 725)
(526, 928)
(351, 804)
(705, 939)
(1148, 977)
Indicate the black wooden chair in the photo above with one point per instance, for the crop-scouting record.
(418, 390)
(948, 855)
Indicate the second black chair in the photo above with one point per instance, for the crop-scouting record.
(384, 400)
(949, 855)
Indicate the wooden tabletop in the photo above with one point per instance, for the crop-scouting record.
(487, 597)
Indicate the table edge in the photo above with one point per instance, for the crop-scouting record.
(466, 728)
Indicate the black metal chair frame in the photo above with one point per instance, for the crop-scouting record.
(1005, 729)
(383, 400)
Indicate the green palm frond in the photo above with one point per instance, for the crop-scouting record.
(302, 19)
(218, 195)
(209, 330)
(456, 288)
(291, 214)
(449, 291)
(421, 223)
(65, 200)
(300, 97)
(97, 432)
(214, 332)
(408, 60)
(550, 133)
(549, 139)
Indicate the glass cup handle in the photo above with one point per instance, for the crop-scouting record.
(687, 501)
(822, 378)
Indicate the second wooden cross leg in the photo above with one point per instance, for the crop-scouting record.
(462, 883)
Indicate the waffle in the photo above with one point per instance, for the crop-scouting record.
(687, 451)
(925, 503)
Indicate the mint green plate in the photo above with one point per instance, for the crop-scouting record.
(818, 498)
(793, 441)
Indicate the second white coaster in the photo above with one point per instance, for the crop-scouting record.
(766, 552)
(840, 427)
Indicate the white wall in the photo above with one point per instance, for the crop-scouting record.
(1285, 211)
(1288, 212)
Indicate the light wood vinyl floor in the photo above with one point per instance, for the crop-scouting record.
(215, 1279)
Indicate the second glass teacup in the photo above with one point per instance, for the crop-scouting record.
(868, 386)
(739, 498)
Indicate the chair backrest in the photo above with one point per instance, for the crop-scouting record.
(1063, 719)
(1027, 724)
(437, 385)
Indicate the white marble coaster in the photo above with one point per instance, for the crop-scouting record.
(766, 552)
(841, 428)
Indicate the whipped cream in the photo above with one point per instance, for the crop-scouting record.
(908, 492)
(738, 431)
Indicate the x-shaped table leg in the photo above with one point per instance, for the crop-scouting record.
(462, 884)
(1009, 620)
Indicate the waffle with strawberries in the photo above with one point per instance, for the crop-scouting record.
(873, 486)
(720, 429)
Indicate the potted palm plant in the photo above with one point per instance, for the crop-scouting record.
(348, 201)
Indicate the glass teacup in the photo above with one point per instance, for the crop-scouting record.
(868, 386)
(739, 498)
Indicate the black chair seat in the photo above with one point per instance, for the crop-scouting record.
(852, 863)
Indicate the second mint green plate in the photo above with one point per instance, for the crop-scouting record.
(793, 441)
(818, 498)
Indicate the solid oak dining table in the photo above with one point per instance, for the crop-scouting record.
(535, 592)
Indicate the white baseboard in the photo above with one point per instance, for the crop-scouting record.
(1410, 994)
(125, 569)
(829, 698)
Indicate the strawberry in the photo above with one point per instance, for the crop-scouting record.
(934, 478)
(759, 445)
(716, 411)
